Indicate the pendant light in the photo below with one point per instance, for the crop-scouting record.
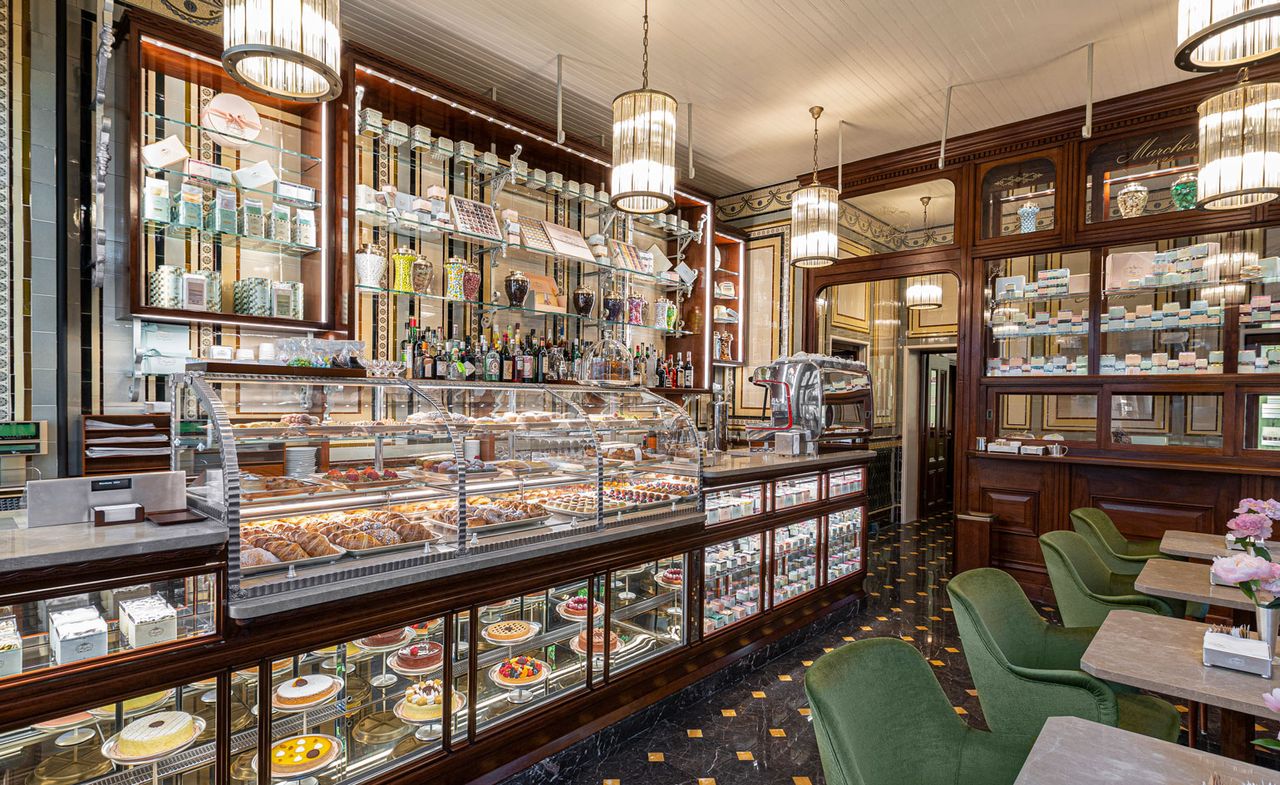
(644, 145)
(815, 216)
(286, 48)
(1239, 146)
(924, 292)
(1218, 34)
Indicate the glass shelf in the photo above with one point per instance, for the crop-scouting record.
(206, 183)
(998, 334)
(311, 160)
(1039, 298)
(1145, 329)
(1176, 287)
(245, 241)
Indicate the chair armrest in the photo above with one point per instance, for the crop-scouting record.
(1068, 692)
(1142, 603)
(1062, 647)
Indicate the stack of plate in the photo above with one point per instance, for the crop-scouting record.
(299, 461)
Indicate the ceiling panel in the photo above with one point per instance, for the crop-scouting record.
(753, 68)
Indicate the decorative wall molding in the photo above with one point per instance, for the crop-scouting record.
(6, 215)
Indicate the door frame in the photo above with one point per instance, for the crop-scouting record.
(913, 467)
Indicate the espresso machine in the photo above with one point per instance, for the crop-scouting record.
(814, 398)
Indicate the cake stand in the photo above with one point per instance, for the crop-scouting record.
(429, 730)
(302, 709)
(393, 662)
(674, 610)
(384, 679)
(597, 611)
(304, 777)
(110, 751)
(519, 694)
(77, 729)
(626, 595)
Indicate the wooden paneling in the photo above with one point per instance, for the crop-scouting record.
(1148, 502)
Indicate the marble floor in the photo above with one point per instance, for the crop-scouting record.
(757, 731)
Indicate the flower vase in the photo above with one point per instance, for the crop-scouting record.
(1268, 620)
(1027, 217)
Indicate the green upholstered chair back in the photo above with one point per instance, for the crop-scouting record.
(1080, 561)
(880, 716)
(992, 606)
(1092, 523)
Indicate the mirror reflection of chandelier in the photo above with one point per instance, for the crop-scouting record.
(927, 235)
(924, 292)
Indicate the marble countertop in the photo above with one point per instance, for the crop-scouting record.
(1195, 545)
(1165, 656)
(733, 465)
(1187, 581)
(49, 546)
(1114, 755)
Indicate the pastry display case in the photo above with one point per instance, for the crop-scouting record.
(646, 612)
(730, 504)
(732, 574)
(844, 539)
(323, 479)
(794, 565)
(1037, 315)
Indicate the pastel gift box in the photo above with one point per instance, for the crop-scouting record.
(1160, 358)
(148, 620)
(10, 647)
(206, 171)
(295, 192)
(77, 634)
(165, 154)
(396, 132)
(259, 176)
(1186, 358)
(420, 138)
(369, 122)
(538, 178)
(1115, 312)
(1201, 364)
(466, 150)
(1216, 357)
(443, 148)
(588, 191)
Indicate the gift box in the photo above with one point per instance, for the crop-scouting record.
(77, 634)
(148, 620)
(10, 647)
(252, 297)
(164, 286)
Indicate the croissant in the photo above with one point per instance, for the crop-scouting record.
(386, 536)
(285, 550)
(257, 557)
(355, 541)
(314, 544)
(411, 532)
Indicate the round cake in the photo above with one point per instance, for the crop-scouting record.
(509, 630)
(155, 734)
(388, 638)
(420, 656)
(423, 629)
(673, 576)
(519, 671)
(424, 701)
(300, 754)
(305, 690)
(575, 607)
(597, 643)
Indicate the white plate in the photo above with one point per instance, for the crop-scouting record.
(109, 748)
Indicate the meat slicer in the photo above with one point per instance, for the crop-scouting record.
(814, 398)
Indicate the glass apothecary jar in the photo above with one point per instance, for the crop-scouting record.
(1018, 198)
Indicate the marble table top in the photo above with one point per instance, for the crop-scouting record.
(1188, 581)
(1113, 756)
(1165, 656)
(1195, 545)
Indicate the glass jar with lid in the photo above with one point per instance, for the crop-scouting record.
(609, 363)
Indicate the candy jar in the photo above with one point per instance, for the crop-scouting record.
(423, 275)
(471, 282)
(402, 262)
(660, 309)
(673, 314)
(1183, 191)
(635, 309)
(583, 301)
(454, 270)
(517, 287)
(726, 346)
(613, 304)
(1132, 200)
(371, 266)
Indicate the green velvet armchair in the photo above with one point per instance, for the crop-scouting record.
(1086, 590)
(882, 719)
(1027, 670)
(1121, 555)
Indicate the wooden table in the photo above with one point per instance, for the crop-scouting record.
(1163, 655)
(1072, 751)
(1194, 545)
(1188, 581)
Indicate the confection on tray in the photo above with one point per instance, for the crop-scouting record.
(508, 630)
(285, 421)
(597, 645)
(576, 607)
(673, 576)
(520, 670)
(380, 639)
(364, 474)
(155, 734)
(424, 700)
(438, 464)
(420, 656)
(306, 690)
(307, 536)
(300, 754)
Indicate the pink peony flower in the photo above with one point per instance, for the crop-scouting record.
(1272, 699)
(1241, 567)
(1267, 507)
(1272, 584)
(1250, 525)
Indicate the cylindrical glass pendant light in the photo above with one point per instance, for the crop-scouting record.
(644, 146)
(287, 48)
(1218, 34)
(1239, 146)
(815, 216)
(924, 293)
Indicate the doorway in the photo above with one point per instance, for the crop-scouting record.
(936, 432)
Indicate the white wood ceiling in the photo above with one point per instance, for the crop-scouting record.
(753, 67)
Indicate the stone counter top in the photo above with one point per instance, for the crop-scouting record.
(22, 548)
(733, 466)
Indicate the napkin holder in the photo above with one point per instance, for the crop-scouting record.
(1248, 655)
(117, 514)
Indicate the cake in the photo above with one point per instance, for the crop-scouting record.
(77, 634)
(148, 620)
(508, 630)
(424, 701)
(155, 734)
(575, 608)
(597, 644)
(425, 628)
(305, 690)
(673, 576)
(301, 754)
(420, 656)
(519, 671)
(381, 639)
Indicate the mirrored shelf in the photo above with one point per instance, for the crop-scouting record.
(245, 241)
(207, 183)
(306, 160)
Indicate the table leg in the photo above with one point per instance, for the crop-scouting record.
(1237, 735)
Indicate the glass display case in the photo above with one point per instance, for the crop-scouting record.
(1262, 422)
(1046, 419)
(1166, 420)
(321, 479)
(646, 611)
(795, 560)
(1147, 174)
(731, 504)
(1018, 198)
(845, 482)
(731, 577)
(795, 491)
(844, 540)
(1037, 315)
(54, 631)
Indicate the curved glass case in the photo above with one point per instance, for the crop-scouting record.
(322, 479)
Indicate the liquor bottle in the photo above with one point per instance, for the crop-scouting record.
(575, 360)
(492, 361)
(442, 361)
(406, 344)
(688, 369)
(660, 379)
(507, 371)
(530, 372)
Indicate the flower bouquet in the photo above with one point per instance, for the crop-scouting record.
(1251, 527)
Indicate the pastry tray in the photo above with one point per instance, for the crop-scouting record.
(307, 562)
(554, 510)
(398, 546)
(449, 478)
(252, 490)
(504, 526)
(375, 485)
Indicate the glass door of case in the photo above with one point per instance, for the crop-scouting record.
(646, 611)
(844, 542)
(731, 578)
(1037, 315)
(794, 564)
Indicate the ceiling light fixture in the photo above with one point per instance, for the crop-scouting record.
(1218, 34)
(815, 216)
(286, 48)
(1240, 146)
(924, 292)
(644, 145)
